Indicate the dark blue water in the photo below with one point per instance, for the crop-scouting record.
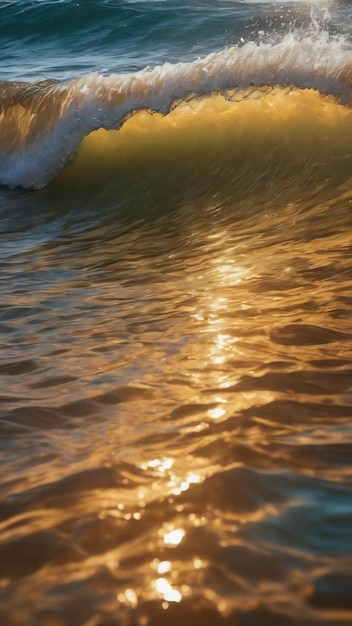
(63, 39)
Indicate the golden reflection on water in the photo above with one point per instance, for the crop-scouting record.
(173, 537)
(225, 292)
(166, 591)
(174, 475)
(226, 275)
(163, 567)
(158, 402)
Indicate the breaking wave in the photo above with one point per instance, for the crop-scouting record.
(42, 124)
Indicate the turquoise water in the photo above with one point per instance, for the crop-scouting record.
(63, 39)
(175, 313)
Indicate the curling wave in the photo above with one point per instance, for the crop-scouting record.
(42, 124)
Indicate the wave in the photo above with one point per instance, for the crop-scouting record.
(42, 124)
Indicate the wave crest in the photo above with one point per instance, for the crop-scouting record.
(42, 124)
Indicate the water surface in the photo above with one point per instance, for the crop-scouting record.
(175, 314)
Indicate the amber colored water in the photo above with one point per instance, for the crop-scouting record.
(176, 374)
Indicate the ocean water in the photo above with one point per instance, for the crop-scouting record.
(175, 313)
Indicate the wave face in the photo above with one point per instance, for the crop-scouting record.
(42, 124)
(175, 313)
